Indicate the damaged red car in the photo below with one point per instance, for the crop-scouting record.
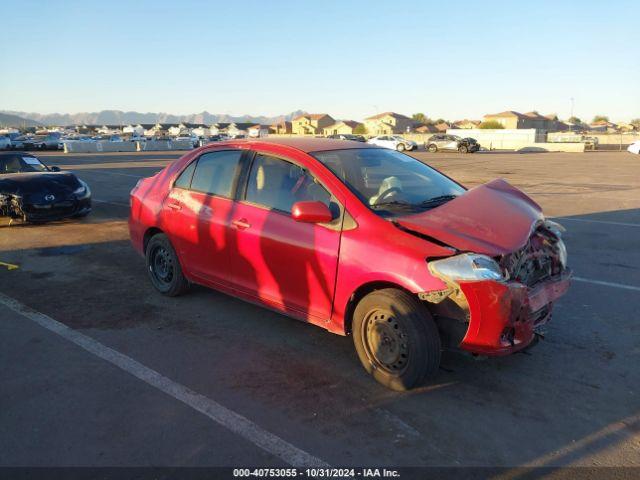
(359, 240)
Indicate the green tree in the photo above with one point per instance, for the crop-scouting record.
(440, 120)
(574, 120)
(420, 118)
(491, 125)
(360, 130)
(635, 122)
(600, 118)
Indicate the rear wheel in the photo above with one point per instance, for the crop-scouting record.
(396, 339)
(400, 147)
(463, 149)
(433, 148)
(164, 268)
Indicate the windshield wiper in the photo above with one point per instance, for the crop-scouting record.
(393, 204)
(437, 201)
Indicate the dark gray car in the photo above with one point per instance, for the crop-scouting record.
(448, 142)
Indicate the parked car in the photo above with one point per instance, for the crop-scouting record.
(33, 192)
(348, 136)
(41, 142)
(194, 139)
(17, 143)
(5, 142)
(393, 142)
(452, 143)
(634, 147)
(357, 239)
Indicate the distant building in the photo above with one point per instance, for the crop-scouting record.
(311, 123)
(219, 128)
(442, 127)
(109, 129)
(258, 130)
(237, 129)
(342, 127)
(426, 128)
(388, 123)
(603, 126)
(283, 127)
(466, 124)
(135, 131)
(514, 120)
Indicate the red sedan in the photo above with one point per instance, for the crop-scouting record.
(359, 240)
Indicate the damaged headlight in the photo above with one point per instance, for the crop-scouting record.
(558, 230)
(468, 266)
(82, 190)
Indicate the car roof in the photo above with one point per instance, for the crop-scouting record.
(307, 144)
(16, 152)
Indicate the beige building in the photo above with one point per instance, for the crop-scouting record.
(311, 123)
(280, 127)
(514, 120)
(466, 124)
(345, 126)
(388, 123)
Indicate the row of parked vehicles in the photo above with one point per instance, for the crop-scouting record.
(435, 143)
(55, 141)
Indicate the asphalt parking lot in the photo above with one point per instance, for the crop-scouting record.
(572, 400)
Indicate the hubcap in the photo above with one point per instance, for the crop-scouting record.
(385, 342)
(162, 265)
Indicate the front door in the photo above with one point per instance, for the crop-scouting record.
(284, 263)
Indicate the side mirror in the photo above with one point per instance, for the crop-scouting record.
(54, 169)
(311, 212)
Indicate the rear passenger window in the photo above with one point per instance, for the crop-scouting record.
(215, 172)
(184, 180)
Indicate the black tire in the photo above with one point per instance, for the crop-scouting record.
(396, 339)
(432, 148)
(164, 268)
(400, 147)
(463, 149)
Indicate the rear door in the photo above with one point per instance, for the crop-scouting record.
(284, 263)
(197, 213)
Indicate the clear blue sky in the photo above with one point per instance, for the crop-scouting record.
(348, 58)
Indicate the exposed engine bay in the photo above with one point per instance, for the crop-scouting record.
(542, 257)
(11, 206)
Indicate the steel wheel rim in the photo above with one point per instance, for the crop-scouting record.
(385, 342)
(161, 265)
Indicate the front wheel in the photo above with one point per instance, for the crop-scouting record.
(400, 147)
(463, 149)
(433, 148)
(396, 339)
(164, 268)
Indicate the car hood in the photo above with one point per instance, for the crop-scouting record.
(38, 183)
(494, 219)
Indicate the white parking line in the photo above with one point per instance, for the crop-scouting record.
(229, 419)
(607, 284)
(604, 222)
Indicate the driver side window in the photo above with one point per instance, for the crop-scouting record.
(277, 184)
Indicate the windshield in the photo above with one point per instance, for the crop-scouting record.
(390, 182)
(21, 164)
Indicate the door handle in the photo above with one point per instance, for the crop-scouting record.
(241, 224)
(174, 206)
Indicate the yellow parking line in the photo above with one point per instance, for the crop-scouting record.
(10, 266)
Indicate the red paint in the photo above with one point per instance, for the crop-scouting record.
(311, 212)
(309, 271)
(494, 219)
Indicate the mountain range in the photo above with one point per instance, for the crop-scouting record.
(118, 117)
